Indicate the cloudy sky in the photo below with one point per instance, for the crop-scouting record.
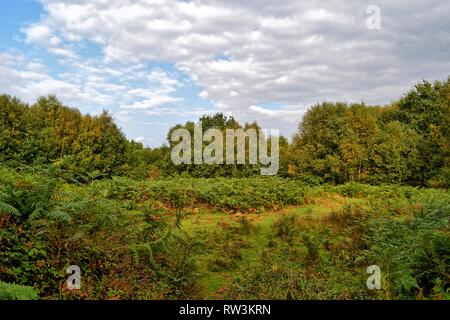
(155, 63)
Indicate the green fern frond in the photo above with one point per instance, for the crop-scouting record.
(37, 214)
(6, 208)
(61, 216)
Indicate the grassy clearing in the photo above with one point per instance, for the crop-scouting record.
(320, 250)
(205, 224)
(242, 239)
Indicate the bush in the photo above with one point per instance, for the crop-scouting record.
(122, 252)
(237, 195)
(286, 227)
(415, 253)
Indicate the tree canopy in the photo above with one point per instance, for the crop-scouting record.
(406, 142)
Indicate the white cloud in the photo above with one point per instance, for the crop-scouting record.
(245, 54)
(89, 86)
(321, 15)
(156, 101)
(43, 36)
(204, 94)
(284, 114)
(40, 34)
(167, 83)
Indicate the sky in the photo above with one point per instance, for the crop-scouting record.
(155, 63)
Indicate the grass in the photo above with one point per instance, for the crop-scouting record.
(205, 223)
(326, 256)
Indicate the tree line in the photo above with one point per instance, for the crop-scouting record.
(406, 142)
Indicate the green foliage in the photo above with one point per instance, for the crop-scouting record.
(415, 252)
(238, 195)
(49, 133)
(407, 142)
(128, 237)
(220, 122)
(6, 208)
(325, 258)
(285, 227)
(26, 195)
(73, 190)
(232, 194)
(134, 251)
(16, 292)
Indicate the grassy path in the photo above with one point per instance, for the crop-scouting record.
(217, 230)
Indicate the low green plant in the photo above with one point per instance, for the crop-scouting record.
(16, 292)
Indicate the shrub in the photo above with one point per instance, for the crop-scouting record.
(285, 227)
(414, 252)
